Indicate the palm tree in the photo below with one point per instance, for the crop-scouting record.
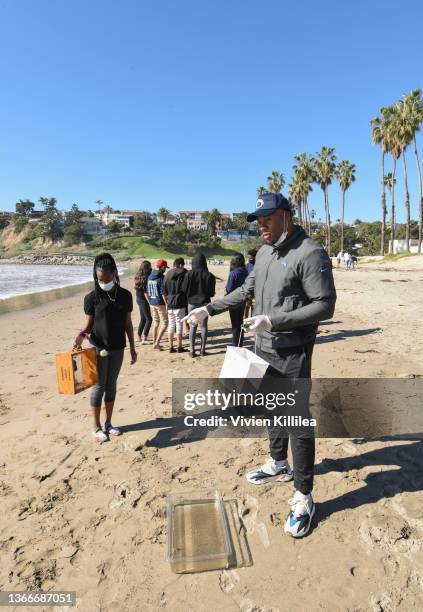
(414, 106)
(345, 174)
(212, 219)
(378, 138)
(294, 196)
(325, 166)
(183, 218)
(163, 214)
(275, 181)
(304, 175)
(261, 190)
(394, 148)
(389, 181)
(404, 135)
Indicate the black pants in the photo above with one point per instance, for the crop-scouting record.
(145, 321)
(237, 317)
(292, 363)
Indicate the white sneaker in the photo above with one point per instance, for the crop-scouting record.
(99, 435)
(300, 516)
(111, 431)
(271, 471)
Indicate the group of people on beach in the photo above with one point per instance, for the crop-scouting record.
(350, 261)
(291, 282)
(166, 299)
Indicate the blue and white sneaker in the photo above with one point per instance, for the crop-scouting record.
(271, 471)
(300, 516)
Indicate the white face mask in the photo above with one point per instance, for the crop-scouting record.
(107, 286)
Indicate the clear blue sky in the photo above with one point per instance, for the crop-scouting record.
(189, 104)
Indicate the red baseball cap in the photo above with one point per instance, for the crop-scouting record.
(161, 263)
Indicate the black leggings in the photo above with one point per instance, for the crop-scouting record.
(237, 317)
(108, 369)
(145, 321)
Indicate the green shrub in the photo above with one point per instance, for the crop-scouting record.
(19, 223)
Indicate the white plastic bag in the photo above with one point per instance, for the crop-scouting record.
(241, 363)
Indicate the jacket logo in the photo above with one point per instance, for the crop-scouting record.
(259, 203)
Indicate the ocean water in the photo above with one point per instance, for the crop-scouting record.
(21, 279)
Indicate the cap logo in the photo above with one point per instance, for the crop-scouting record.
(259, 203)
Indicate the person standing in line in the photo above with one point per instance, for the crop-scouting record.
(141, 290)
(157, 300)
(251, 260)
(237, 275)
(249, 303)
(199, 286)
(108, 321)
(176, 303)
(294, 290)
(347, 260)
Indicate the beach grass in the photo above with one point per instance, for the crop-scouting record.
(397, 256)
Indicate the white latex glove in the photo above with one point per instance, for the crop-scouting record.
(257, 324)
(197, 315)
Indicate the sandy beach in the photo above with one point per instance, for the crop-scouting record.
(91, 519)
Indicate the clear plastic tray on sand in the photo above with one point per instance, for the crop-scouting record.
(197, 531)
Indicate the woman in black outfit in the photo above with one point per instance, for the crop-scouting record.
(107, 324)
(141, 289)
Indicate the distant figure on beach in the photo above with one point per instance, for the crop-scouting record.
(347, 260)
(108, 321)
(176, 303)
(354, 261)
(141, 290)
(199, 286)
(157, 300)
(339, 258)
(251, 260)
(248, 309)
(237, 275)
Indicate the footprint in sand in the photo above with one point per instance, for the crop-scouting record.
(248, 605)
(261, 529)
(228, 580)
(125, 496)
(390, 533)
(248, 513)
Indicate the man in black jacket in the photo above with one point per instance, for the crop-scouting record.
(176, 303)
(293, 287)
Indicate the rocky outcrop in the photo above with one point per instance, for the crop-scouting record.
(70, 260)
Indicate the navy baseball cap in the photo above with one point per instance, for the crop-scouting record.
(267, 204)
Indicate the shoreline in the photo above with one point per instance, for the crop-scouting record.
(25, 301)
